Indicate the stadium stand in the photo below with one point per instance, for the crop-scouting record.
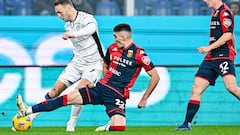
(83, 5)
(160, 7)
(110, 7)
(43, 7)
(140, 8)
(204, 9)
(19, 7)
(235, 7)
(3, 9)
(107, 7)
(190, 7)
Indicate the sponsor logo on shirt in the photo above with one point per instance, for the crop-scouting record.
(215, 23)
(114, 71)
(122, 61)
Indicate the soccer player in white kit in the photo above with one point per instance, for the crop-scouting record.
(86, 64)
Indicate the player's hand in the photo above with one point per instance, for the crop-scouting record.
(203, 49)
(142, 103)
(67, 35)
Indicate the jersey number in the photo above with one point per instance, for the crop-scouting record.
(120, 103)
(224, 67)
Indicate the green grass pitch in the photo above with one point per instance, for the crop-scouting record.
(143, 130)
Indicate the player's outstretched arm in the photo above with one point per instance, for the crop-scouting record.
(151, 86)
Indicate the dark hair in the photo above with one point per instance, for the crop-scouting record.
(62, 2)
(122, 27)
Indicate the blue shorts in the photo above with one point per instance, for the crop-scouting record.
(102, 95)
(210, 70)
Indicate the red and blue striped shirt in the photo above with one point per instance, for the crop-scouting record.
(124, 66)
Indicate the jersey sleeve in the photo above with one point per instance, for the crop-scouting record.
(144, 60)
(88, 20)
(226, 21)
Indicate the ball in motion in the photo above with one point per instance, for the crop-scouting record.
(21, 123)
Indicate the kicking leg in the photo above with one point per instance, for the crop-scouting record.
(48, 105)
(73, 97)
(58, 88)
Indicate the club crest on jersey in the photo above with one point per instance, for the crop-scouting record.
(227, 22)
(130, 54)
(146, 60)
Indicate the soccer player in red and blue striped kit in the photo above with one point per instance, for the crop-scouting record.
(219, 60)
(122, 65)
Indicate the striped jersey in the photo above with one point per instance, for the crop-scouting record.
(124, 66)
(222, 21)
(87, 48)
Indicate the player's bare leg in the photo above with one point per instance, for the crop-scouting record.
(58, 88)
(231, 85)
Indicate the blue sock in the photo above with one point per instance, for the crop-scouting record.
(47, 97)
(50, 105)
(192, 109)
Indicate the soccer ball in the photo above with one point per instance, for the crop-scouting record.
(21, 123)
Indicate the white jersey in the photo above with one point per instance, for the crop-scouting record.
(86, 48)
(87, 60)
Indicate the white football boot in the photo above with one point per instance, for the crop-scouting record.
(104, 127)
(22, 107)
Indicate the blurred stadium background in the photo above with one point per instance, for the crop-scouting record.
(110, 7)
(32, 54)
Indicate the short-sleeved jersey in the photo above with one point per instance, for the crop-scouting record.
(87, 48)
(222, 21)
(124, 66)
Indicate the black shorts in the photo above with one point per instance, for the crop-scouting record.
(100, 94)
(210, 70)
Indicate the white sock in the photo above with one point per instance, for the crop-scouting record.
(75, 112)
(29, 111)
(32, 115)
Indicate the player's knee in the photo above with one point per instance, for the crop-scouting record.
(117, 128)
(196, 90)
(232, 89)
